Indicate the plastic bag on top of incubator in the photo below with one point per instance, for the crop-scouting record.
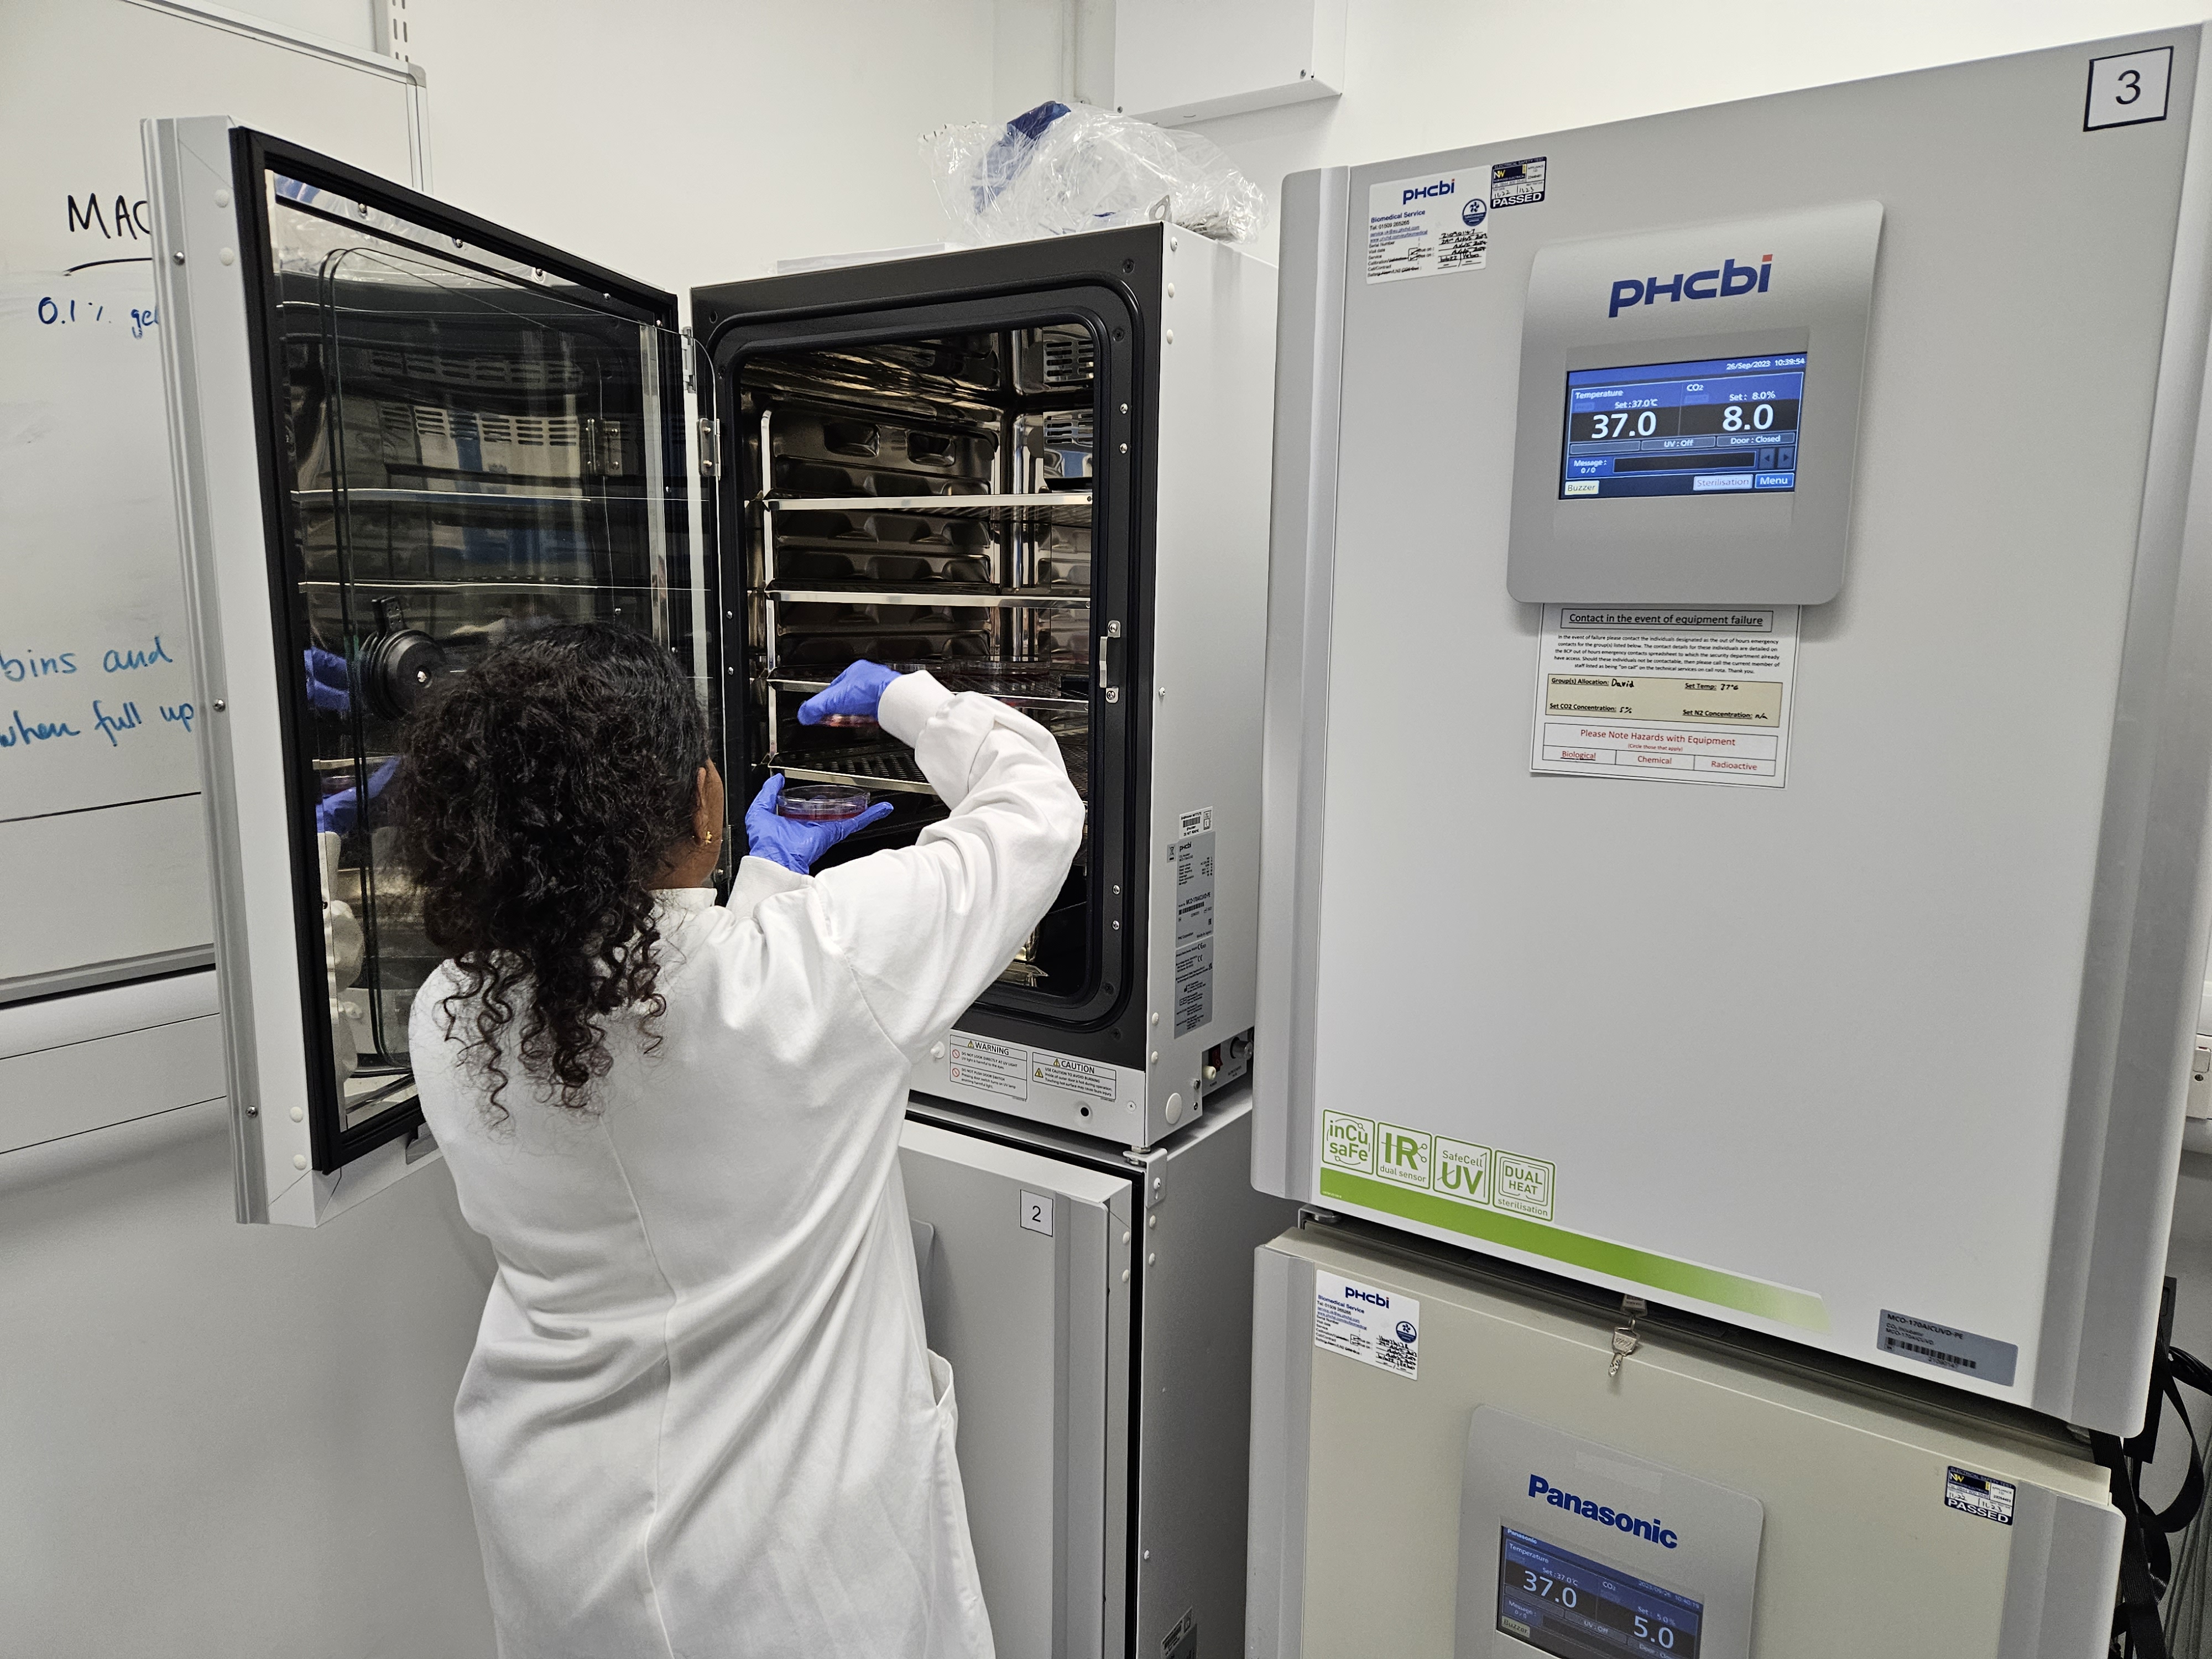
(1060, 168)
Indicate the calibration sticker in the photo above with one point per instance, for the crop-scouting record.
(1977, 1494)
(1427, 225)
(1516, 183)
(1367, 1324)
(1457, 1170)
(1650, 691)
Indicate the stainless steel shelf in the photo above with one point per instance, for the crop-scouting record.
(1067, 507)
(890, 778)
(1069, 705)
(381, 497)
(426, 585)
(949, 597)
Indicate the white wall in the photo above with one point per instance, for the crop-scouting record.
(1429, 74)
(696, 141)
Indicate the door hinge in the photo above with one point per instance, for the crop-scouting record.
(690, 374)
(710, 447)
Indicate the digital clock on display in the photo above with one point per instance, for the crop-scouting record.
(1720, 426)
(1566, 1604)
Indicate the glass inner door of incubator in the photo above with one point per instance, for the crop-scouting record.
(475, 452)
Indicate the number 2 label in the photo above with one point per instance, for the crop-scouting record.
(1036, 1213)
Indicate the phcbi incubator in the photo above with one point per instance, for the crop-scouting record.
(1802, 932)
(402, 435)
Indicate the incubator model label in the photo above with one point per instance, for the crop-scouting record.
(1977, 1494)
(1081, 1076)
(1427, 225)
(1962, 1353)
(1457, 1170)
(1376, 1327)
(996, 1068)
(1193, 938)
(1684, 695)
(1516, 183)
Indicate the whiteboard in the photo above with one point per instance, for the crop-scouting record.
(102, 851)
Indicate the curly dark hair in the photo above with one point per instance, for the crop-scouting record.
(539, 795)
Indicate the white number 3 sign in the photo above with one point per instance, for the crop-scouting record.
(2130, 88)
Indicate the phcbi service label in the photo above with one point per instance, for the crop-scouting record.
(1376, 1327)
(1428, 226)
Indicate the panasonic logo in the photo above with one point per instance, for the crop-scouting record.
(1724, 282)
(1442, 187)
(1619, 1520)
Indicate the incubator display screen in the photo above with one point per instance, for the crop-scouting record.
(1712, 427)
(1565, 1604)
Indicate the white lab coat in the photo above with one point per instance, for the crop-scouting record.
(701, 1420)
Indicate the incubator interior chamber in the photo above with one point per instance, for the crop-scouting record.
(926, 502)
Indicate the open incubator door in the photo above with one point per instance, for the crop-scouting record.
(400, 436)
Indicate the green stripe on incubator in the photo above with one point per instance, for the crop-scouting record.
(1660, 1272)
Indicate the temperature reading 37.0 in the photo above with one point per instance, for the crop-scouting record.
(1711, 427)
(1562, 1603)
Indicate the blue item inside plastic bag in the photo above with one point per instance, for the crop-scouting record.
(1006, 160)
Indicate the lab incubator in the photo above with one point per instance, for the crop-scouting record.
(1796, 958)
(402, 435)
(405, 434)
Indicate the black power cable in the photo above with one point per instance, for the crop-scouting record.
(2146, 1557)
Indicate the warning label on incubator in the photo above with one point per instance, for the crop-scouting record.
(1977, 1494)
(1082, 1076)
(1681, 694)
(1377, 1326)
(1427, 225)
(996, 1068)
(1193, 936)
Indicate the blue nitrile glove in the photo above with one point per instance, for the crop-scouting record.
(337, 814)
(855, 692)
(795, 843)
(329, 682)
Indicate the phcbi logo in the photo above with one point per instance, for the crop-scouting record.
(1724, 283)
(1442, 187)
(1604, 1514)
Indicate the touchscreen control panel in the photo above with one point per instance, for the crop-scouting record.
(1714, 427)
(1567, 1604)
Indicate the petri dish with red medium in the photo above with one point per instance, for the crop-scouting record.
(822, 803)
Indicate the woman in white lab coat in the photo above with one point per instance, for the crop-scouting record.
(701, 1420)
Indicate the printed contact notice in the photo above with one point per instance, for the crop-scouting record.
(1680, 694)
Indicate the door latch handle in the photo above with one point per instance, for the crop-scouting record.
(1105, 663)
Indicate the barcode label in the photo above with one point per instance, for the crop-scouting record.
(1960, 1352)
